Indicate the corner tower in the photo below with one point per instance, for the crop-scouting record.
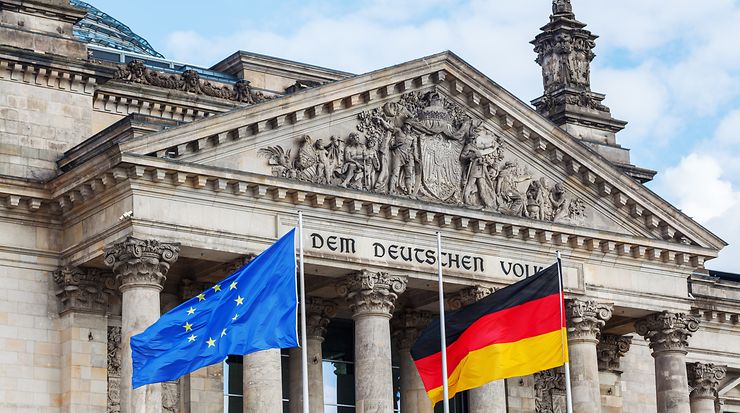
(565, 50)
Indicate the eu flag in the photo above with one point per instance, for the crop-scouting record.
(252, 309)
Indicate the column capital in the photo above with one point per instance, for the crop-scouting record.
(319, 312)
(407, 325)
(141, 263)
(84, 290)
(469, 295)
(586, 318)
(610, 349)
(704, 379)
(667, 331)
(372, 292)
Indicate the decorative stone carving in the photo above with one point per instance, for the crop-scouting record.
(189, 81)
(141, 262)
(469, 295)
(171, 396)
(114, 369)
(704, 379)
(586, 318)
(83, 289)
(549, 391)
(318, 314)
(372, 292)
(407, 325)
(562, 7)
(667, 331)
(610, 349)
(426, 147)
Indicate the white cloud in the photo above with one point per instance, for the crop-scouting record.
(728, 131)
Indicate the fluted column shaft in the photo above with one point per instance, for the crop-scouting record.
(704, 381)
(407, 325)
(371, 298)
(141, 267)
(263, 384)
(490, 397)
(585, 320)
(668, 335)
(318, 315)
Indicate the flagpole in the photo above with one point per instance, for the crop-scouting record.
(304, 346)
(442, 333)
(564, 338)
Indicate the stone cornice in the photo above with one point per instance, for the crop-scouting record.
(481, 95)
(73, 193)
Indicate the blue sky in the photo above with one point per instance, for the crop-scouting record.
(670, 68)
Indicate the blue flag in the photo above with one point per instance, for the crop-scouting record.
(253, 309)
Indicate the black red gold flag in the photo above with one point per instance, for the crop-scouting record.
(516, 331)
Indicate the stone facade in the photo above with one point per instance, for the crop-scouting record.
(121, 197)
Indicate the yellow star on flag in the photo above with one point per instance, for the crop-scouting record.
(192, 338)
(211, 342)
(239, 300)
(201, 297)
(217, 288)
(188, 326)
(233, 285)
(191, 311)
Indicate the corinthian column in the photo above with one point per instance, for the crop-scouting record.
(668, 334)
(371, 297)
(491, 397)
(141, 267)
(585, 320)
(704, 381)
(406, 328)
(318, 314)
(610, 350)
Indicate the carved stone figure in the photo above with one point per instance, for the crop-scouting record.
(280, 160)
(511, 200)
(403, 160)
(561, 7)
(354, 160)
(306, 162)
(171, 396)
(549, 391)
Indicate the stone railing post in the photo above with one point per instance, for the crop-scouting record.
(585, 319)
(141, 267)
(371, 297)
(704, 381)
(407, 325)
(668, 334)
(319, 313)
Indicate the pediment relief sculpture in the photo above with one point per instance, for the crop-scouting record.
(425, 147)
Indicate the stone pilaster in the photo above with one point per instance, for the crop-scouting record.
(491, 397)
(83, 302)
(263, 385)
(407, 325)
(585, 318)
(704, 381)
(371, 297)
(140, 266)
(319, 313)
(549, 391)
(668, 334)
(610, 349)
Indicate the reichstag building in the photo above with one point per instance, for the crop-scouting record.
(130, 183)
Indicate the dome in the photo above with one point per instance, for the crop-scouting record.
(103, 30)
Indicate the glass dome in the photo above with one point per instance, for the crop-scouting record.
(101, 29)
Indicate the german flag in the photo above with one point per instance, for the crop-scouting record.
(515, 331)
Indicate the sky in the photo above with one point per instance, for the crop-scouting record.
(671, 68)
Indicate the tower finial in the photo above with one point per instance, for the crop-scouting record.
(561, 7)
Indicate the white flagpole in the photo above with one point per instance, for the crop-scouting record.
(304, 346)
(442, 334)
(564, 338)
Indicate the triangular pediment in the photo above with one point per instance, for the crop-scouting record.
(433, 131)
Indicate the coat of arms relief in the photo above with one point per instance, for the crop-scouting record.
(425, 147)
